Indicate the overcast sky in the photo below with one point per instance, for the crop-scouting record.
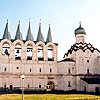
(64, 16)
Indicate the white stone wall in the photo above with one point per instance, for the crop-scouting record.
(92, 87)
(11, 69)
(87, 62)
(65, 75)
(80, 38)
(66, 79)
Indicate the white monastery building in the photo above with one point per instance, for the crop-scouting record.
(38, 62)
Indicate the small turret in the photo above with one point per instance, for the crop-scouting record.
(80, 34)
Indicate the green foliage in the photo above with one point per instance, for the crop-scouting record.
(49, 97)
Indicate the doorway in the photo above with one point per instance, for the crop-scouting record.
(97, 89)
(11, 87)
(50, 86)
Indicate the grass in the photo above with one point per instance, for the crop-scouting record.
(49, 97)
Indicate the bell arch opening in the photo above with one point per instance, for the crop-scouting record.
(29, 52)
(6, 49)
(50, 54)
(40, 53)
(18, 52)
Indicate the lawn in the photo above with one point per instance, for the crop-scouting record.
(49, 97)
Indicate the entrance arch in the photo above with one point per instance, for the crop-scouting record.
(50, 86)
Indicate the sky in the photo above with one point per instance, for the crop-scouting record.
(63, 15)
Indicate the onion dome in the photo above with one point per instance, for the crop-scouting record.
(80, 30)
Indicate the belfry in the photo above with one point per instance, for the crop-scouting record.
(38, 61)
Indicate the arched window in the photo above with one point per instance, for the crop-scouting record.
(69, 83)
(50, 53)
(18, 52)
(29, 52)
(6, 49)
(40, 53)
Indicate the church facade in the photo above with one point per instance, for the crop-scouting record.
(38, 62)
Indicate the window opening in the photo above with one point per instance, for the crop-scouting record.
(5, 69)
(28, 85)
(88, 61)
(40, 69)
(69, 84)
(50, 70)
(17, 67)
(39, 86)
(88, 71)
(69, 71)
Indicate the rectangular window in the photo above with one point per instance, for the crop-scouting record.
(69, 71)
(40, 70)
(50, 70)
(5, 69)
(5, 86)
(39, 86)
(87, 70)
(28, 85)
(30, 70)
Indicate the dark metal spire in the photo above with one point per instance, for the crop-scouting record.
(80, 24)
(40, 36)
(6, 34)
(29, 34)
(18, 33)
(49, 37)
